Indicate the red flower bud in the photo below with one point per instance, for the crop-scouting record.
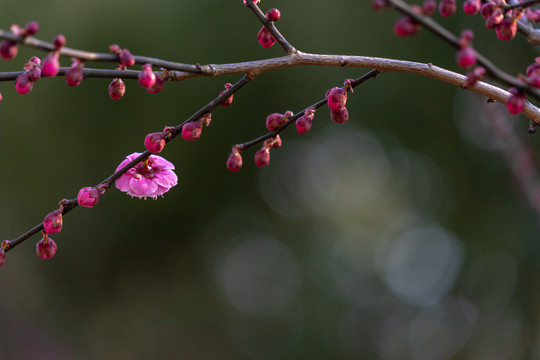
(53, 222)
(337, 98)
(265, 38)
(340, 116)
(117, 89)
(447, 7)
(466, 57)
(262, 157)
(275, 120)
(126, 58)
(154, 142)
(51, 65)
(507, 29)
(88, 197)
(46, 248)
(515, 102)
(31, 28)
(234, 162)
(8, 49)
(273, 14)
(74, 76)
(147, 78)
(59, 41)
(192, 130)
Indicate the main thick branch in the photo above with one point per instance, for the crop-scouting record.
(294, 58)
(381, 64)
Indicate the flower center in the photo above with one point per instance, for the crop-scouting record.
(146, 168)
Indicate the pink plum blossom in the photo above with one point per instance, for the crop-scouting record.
(149, 178)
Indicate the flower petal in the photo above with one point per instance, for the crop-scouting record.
(161, 190)
(166, 178)
(129, 159)
(122, 183)
(143, 187)
(162, 163)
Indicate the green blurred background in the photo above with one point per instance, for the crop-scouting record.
(402, 234)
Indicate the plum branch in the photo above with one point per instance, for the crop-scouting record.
(33, 42)
(445, 35)
(268, 35)
(299, 58)
(69, 205)
(354, 83)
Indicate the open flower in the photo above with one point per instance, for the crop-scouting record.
(149, 178)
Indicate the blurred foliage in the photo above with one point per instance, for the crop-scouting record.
(390, 237)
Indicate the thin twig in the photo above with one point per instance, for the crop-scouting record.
(372, 74)
(532, 34)
(428, 23)
(289, 49)
(33, 42)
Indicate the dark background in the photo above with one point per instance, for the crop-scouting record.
(402, 234)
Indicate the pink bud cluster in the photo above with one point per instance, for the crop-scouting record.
(262, 157)
(505, 23)
(9, 49)
(192, 130)
(52, 223)
(516, 101)
(117, 88)
(265, 38)
(32, 73)
(493, 11)
(466, 57)
(337, 98)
